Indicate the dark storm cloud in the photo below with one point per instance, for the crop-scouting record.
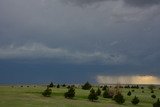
(142, 3)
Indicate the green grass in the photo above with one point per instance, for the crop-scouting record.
(31, 97)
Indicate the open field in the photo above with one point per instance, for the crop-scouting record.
(31, 97)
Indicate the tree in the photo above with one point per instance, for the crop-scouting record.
(153, 96)
(98, 92)
(47, 92)
(87, 86)
(104, 87)
(135, 100)
(93, 95)
(51, 84)
(70, 94)
(58, 86)
(119, 98)
(108, 94)
(129, 93)
(157, 104)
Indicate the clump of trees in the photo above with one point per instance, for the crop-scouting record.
(87, 86)
(47, 92)
(157, 104)
(93, 95)
(70, 94)
(135, 100)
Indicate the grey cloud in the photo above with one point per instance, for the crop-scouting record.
(34, 51)
(85, 2)
(142, 3)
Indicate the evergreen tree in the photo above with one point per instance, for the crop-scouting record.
(87, 86)
(107, 94)
(105, 88)
(58, 86)
(119, 98)
(135, 100)
(93, 95)
(153, 96)
(98, 92)
(129, 93)
(70, 94)
(51, 84)
(47, 92)
(157, 104)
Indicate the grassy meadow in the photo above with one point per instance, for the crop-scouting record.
(17, 96)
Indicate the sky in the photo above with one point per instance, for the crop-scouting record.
(74, 41)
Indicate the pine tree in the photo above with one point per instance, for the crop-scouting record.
(135, 100)
(129, 93)
(98, 92)
(93, 95)
(87, 86)
(119, 98)
(47, 92)
(107, 94)
(157, 104)
(58, 86)
(70, 94)
(51, 84)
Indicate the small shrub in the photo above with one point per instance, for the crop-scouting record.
(70, 94)
(142, 87)
(98, 92)
(64, 85)
(157, 104)
(93, 95)
(133, 90)
(153, 96)
(135, 100)
(119, 98)
(47, 92)
(129, 93)
(142, 91)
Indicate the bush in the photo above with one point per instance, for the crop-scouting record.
(47, 92)
(153, 96)
(157, 104)
(135, 100)
(70, 94)
(142, 91)
(108, 94)
(87, 86)
(133, 90)
(119, 98)
(64, 85)
(93, 95)
(98, 92)
(129, 93)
